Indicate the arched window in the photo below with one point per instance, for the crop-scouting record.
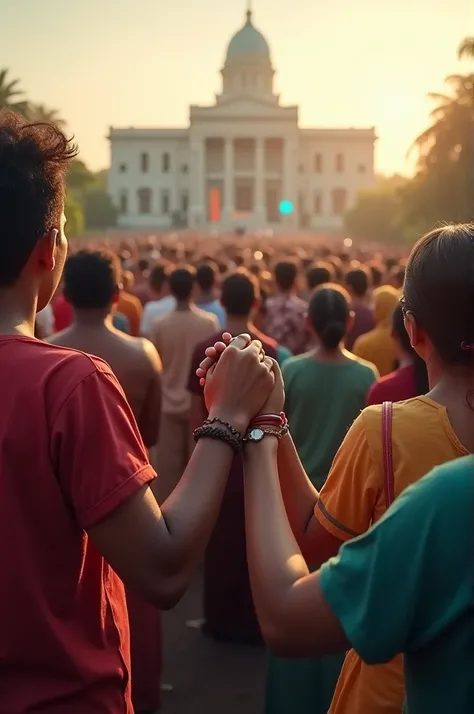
(144, 162)
(339, 201)
(318, 163)
(144, 200)
(166, 163)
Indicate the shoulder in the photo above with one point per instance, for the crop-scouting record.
(204, 317)
(293, 365)
(366, 368)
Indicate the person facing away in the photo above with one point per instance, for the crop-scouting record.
(229, 612)
(77, 515)
(160, 302)
(318, 274)
(175, 337)
(410, 378)
(128, 304)
(285, 313)
(92, 287)
(357, 282)
(325, 390)
(426, 431)
(378, 345)
(206, 279)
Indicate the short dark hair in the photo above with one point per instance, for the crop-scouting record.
(439, 290)
(206, 275)
(33, 162)
(181, 282)
(286, 273)
(329, 314)
(239, 291)
(159, 274)
(91, 279)
(318, 274)
(358, 281)
(376, 275)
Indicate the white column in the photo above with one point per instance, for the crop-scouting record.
(228, 178)
(290, 179)
(260, 201)
(197, 205)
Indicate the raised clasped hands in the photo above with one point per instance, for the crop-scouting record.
(237, 383)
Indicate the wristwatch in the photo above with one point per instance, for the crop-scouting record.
(257, 433)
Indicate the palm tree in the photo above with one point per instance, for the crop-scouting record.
(11, 96)
(42, 113)
(466, 48)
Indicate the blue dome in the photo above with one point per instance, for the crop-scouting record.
(248, 41)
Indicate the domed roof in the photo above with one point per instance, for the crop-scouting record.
(248, 41)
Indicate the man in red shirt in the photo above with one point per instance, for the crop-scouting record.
(77, 515)
(228, 605)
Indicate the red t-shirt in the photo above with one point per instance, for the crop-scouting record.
(70, 454)
(394, 387)
(63, 313)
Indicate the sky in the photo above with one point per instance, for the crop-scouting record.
(142, 62)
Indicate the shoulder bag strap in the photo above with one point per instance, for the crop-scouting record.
(389, 486)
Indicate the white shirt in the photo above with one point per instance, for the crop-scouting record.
(154, 310)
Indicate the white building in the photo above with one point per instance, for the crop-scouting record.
(239, 159)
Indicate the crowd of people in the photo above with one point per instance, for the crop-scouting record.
(292, 395)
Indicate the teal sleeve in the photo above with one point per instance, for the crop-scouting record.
(397, 587)
(283, 355)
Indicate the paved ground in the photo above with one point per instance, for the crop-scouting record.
(208, 677)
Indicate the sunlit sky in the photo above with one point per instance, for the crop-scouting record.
(142, 62)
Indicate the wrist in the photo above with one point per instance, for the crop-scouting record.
(266, 448)
(237, 421)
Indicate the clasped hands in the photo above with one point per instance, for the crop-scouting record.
(238, 383)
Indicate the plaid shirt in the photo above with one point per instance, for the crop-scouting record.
(285, 321)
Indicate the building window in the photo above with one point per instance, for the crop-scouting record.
(339, 163)
(165, 203)
(339, 201)
(184, 202)
(318, 163)
(123, 202)
(184, 169)
(318, 203)
(166, 163)
(244, 198)
(361, 168)
(144, 162)
(122, 168)
(144, 200)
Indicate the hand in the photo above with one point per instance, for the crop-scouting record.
(276, 400)
(213, 353)
(239, 384)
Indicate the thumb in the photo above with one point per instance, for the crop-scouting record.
(277, 373)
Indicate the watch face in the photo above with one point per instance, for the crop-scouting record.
(256, 434)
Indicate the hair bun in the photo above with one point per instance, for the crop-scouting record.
(332, 334)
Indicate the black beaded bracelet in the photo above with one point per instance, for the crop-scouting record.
(207, 431)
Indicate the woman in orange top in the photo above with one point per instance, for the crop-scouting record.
(427, 431)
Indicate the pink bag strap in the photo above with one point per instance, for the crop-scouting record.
(388, 476)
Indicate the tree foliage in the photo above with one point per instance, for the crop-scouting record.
(99, 211)
(11, 96)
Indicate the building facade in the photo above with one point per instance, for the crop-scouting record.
(243, 163)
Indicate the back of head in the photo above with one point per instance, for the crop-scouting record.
(329, 313)
(206, 276)
(33, 161)
(239, 293)
(286, 273)
(358, 282)
(91, 279)
(376, 274)
(159, 274)
(319, 274)
(181, 282)
(386, 299)
(439, 291)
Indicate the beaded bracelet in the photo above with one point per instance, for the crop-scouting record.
(216, 420)
(207, 431)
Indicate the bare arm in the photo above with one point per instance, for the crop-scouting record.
(149, 420)
(156, 551)
(300, 498)
(293, 615)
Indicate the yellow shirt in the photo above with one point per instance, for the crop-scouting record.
(353, 498)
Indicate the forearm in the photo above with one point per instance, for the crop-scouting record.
(192, 509)
(274, 558)
(299, 495)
